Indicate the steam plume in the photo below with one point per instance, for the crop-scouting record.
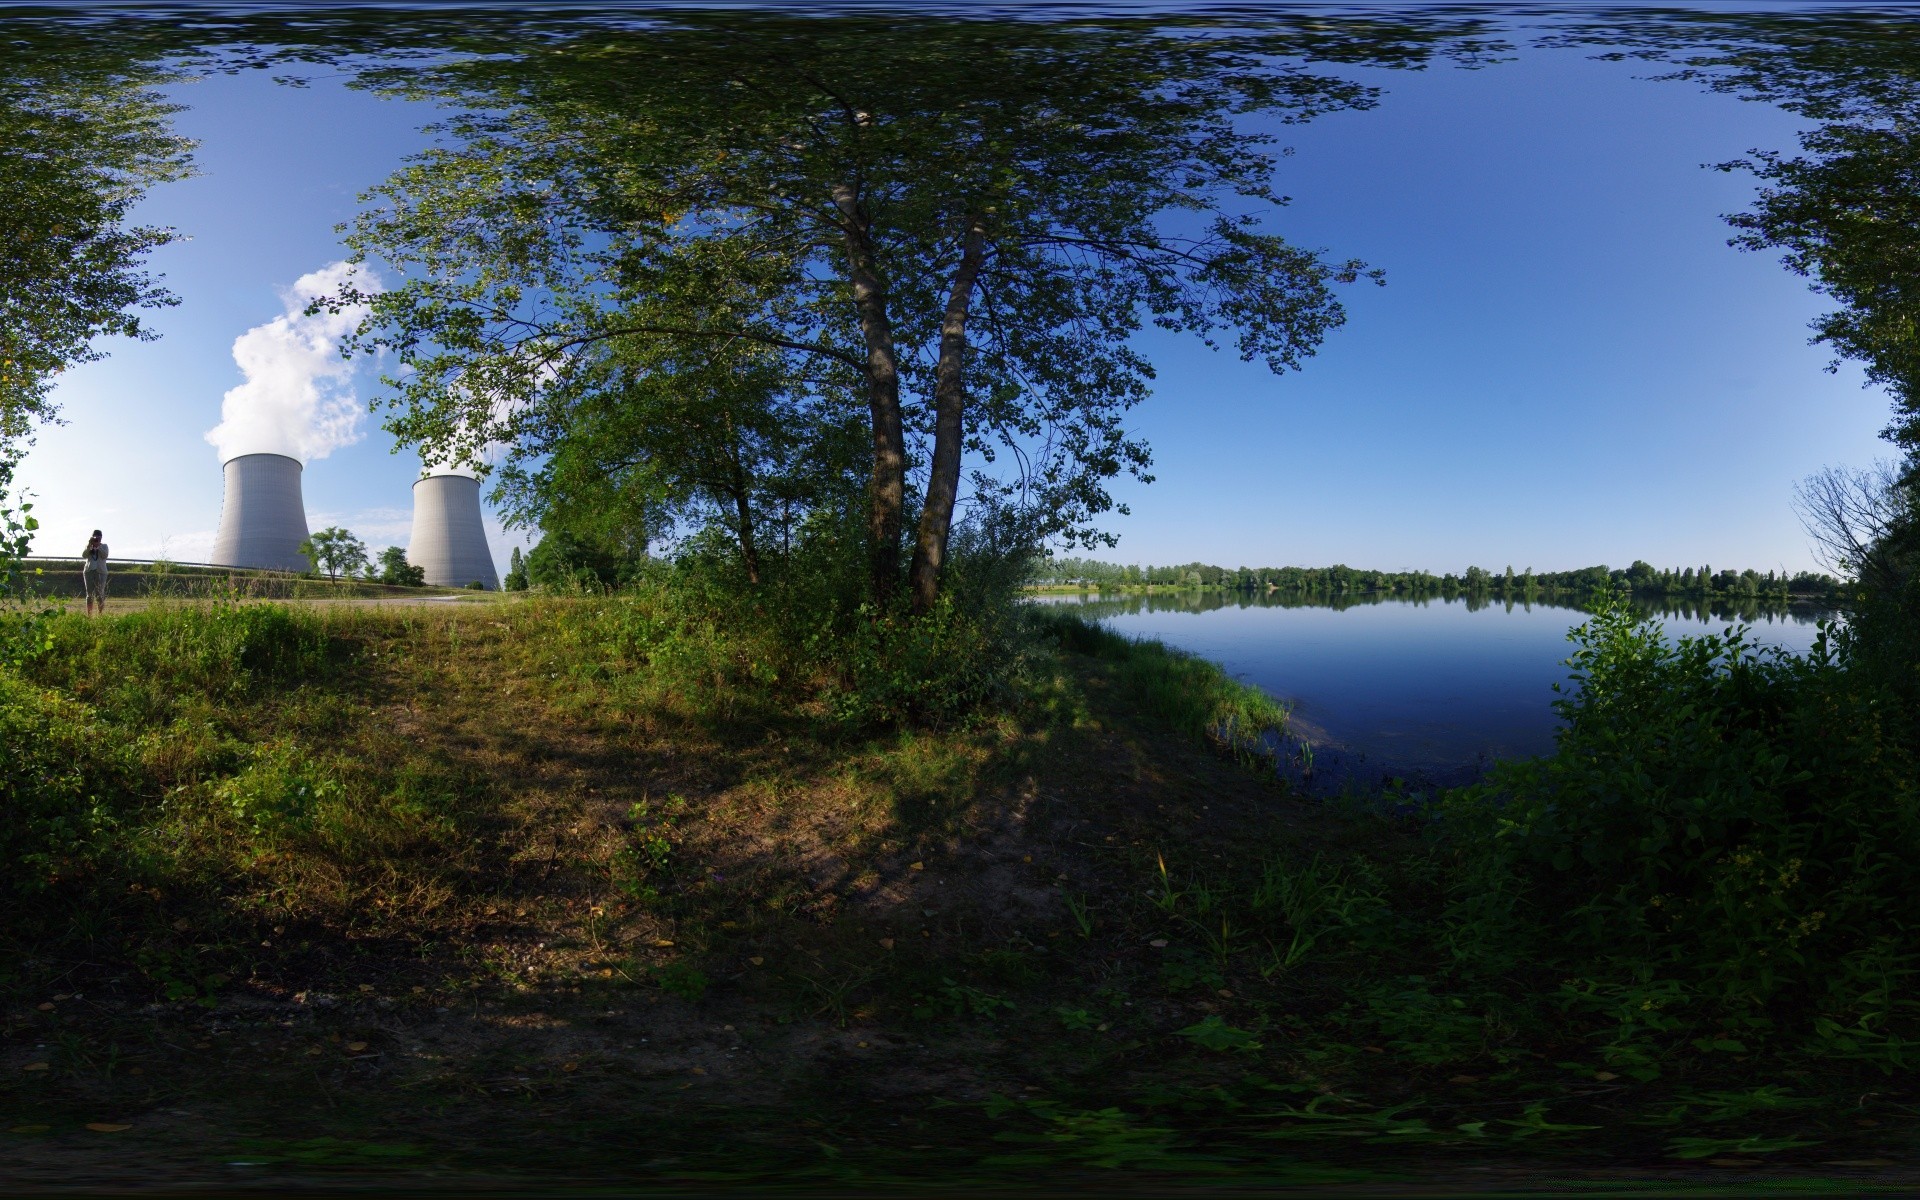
(298, 397)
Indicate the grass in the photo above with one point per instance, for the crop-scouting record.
(584, 890)
(1186, 693)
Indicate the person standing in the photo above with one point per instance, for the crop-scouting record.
(93, 573)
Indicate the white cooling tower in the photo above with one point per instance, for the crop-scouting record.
(263, 519)
(449, 542)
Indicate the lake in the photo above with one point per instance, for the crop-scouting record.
(1427, 689)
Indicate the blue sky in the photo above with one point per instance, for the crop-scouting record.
(1568, 365)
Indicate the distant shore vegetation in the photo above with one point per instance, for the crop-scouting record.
(1640, 579)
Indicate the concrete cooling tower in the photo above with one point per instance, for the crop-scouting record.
(263, 519)
(449, 542)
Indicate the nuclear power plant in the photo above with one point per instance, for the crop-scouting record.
(449, 541)
(263, 519)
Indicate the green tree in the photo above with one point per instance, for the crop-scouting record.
(83, 135)
(963, 231)
(516, 580)
(645, 437)
(565, 560)
(1843, 210)
(335, 551)
(396, 570)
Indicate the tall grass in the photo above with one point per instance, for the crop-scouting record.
(218, 650)
(1193, 696)
(222, 755)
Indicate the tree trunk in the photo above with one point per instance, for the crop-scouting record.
(749, 555)
(887, 488)
(743, 507)
(949, 427)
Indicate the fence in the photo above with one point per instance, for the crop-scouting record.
(140, 578)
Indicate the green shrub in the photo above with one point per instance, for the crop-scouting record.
(1722, 839)
(280, 791)
(936, 670)
(62, 788)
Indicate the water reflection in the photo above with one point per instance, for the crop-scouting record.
(1100, 605)
(1430, 689)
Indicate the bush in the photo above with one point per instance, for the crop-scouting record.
(62, 788)
(1719, 846)
(935, 670)
(155, 656)
(568, 562)
(396, 571)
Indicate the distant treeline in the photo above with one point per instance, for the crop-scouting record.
(1641, 579)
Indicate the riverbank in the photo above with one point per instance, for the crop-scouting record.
(552, 892)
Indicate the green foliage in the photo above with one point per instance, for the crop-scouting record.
(279, 792)
(63, 784)
(711, 445)
(131, 764)
(516, 580)
(955, 999)
(1718, 843)
(160, 655)
(22, 624)
(567, 562)
(931, 670)
(1340, 580)
(83, 133)
(1189, 693)
(645, 863)
(1215, 1034)
(1314, 902)
(1106, 1138)
(989, 211)
(395, 570)
(681, 979)
(335, 551)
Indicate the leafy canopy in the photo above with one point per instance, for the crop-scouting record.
(335, 551)
(881, 209)
(83, 134)
(396, 570)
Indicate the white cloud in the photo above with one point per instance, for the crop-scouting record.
(298, 398)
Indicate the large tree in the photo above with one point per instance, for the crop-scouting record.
(646, 435)
(83, 134)
(1843, 210)
(957, 226)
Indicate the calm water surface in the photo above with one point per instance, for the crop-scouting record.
(1428, 687)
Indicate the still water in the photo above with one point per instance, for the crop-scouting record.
(1427, 688)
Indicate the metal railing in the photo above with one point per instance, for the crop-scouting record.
(68, 560)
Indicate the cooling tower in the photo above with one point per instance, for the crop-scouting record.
(449, 542)
(262, 520)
